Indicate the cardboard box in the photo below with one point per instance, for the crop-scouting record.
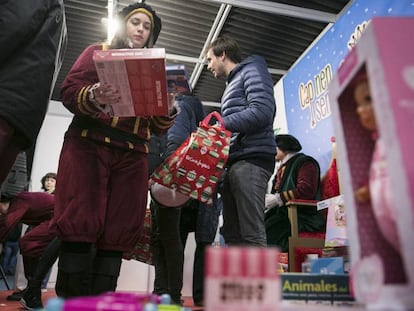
(336, 221)
(338, 251)
(140, 77)
(327, 265)
(382, 272)
(305, 286)
(177, 80)
(242, 279)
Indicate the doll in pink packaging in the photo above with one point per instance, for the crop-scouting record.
(378, 189)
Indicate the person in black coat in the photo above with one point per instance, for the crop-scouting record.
(32, 40)
(171, 225)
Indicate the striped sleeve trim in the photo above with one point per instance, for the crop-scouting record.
(84, 104)
(163, 122)
(287, 195)
(81, 96)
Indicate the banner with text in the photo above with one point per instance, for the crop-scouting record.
(307, 106)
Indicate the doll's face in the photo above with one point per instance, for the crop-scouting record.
(364, 109)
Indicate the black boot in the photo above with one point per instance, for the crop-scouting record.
(17, 295)
(32, 298)
(74, 270)
(29, 266)
(161, 271)
(106, 268)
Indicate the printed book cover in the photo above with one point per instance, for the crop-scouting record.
(140, 77)
(177, 79)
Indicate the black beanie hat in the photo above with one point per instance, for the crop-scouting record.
(156, 27)
(288, 142)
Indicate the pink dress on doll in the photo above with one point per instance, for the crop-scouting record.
(381, 197)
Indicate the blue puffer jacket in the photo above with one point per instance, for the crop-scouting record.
(248, 109)
(190, 115)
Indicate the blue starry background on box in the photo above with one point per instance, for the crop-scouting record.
(308, 111)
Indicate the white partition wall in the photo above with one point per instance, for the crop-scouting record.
(280, 122)
(46, 158)
(49, 143)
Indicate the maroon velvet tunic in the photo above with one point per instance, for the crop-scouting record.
(101, 192)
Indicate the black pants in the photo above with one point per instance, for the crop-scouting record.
(188, 223)
(168, 251)
(278, 228)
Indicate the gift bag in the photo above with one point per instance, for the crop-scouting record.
(143, 249)
(196, 166)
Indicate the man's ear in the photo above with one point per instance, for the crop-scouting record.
(223, 56)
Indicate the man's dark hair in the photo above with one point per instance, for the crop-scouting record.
(226, 45)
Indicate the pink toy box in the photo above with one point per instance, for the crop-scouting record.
(242, 279)
(382, 272)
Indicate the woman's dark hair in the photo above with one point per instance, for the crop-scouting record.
(120, 39)
(47, 176)
(227, 45)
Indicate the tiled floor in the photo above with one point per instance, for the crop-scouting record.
(6, 305)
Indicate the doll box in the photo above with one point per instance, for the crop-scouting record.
(382, 272)
(335, 234)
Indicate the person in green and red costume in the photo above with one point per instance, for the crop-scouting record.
(298, 177)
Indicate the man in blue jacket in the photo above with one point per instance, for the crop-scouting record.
(248, 110)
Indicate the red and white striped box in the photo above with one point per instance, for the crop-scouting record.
(242, 279)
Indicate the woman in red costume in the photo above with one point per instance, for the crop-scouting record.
(101, 194)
